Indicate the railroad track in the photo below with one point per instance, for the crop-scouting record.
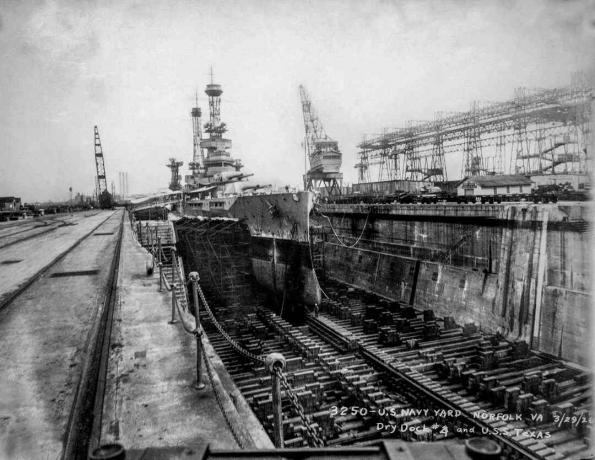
(32, 230)
(78, 332)
(354, 376)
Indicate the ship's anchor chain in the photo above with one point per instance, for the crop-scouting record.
(310, 432)
(231, 341)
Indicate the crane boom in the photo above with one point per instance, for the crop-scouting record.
(322, 152)
(100, 166)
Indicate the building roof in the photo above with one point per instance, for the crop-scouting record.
(499, 180)
(9, 198)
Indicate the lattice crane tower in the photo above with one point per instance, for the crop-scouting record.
(321, 151)
(100, 166)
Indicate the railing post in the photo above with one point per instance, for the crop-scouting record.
(149, 238)
(159, 249)
(275, 362)
(193, 276)
(174, 264)
(160, 276)
(173, 304)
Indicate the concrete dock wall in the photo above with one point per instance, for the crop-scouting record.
(524, 272)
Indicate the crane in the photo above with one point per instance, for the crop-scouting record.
(320, 150)
(100, 166)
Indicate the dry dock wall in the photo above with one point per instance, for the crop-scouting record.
(522, 270)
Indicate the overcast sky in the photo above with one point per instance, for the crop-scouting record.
(132, 68)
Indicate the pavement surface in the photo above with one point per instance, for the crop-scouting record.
(21, 261)
(44, 332)
(150, 399)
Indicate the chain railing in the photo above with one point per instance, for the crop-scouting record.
(310, 432)
(201, 356)
(275, 363)
(231, 341)
(236, 435)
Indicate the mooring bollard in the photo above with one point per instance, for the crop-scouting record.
(173, 303)
(274, 362)
(194, 278)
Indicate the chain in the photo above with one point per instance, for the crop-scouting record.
(311, 433)
(237, 437)
(219, 328)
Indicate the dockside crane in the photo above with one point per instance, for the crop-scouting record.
(103, 196)
(320, 150)
(100, 166)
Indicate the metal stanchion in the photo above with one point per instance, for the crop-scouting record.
(193, 277)
(149, 236)
(160, 276)
(159, 249)
(275, 362)
(173, 303)
(173, 265)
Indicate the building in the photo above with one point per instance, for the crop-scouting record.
(494, 185)
(10, 203)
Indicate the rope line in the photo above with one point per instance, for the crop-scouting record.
(236, 436)
(190, 330)
(337, 236)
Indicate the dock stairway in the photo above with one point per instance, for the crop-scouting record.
(159, 238)
(149, 232)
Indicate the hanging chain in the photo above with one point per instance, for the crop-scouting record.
(311, 432)
(231, 341)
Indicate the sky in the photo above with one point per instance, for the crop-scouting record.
(133, 67)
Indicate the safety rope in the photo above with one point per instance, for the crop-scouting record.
(236, 435)
(337, 236)
(190, 330)
(219, 328)
(311, 433)
(195, 331)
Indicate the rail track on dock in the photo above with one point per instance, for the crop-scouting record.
(67, 305)
(366, 368)
(10, 236)
(53, 226)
